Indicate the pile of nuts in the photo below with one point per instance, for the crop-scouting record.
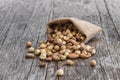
(64, 42)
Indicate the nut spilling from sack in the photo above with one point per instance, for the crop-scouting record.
(63, 42)
(66, 37)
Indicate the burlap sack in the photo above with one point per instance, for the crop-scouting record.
(86, 28)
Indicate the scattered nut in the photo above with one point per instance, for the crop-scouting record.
(59, 72)
(69, 62)
(93, 63)
(30, 55)
(42, 64)
(29, 44)
(37, 52)
(31, 49)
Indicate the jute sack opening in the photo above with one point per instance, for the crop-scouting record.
(86, 28)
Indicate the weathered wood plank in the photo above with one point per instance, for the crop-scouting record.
(24, 20)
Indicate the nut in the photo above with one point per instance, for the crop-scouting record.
(56, 47)
(69, 62)
(50, 47)
(85, 55)
(63, 47)
(42, 56)
(59, 72)
(43, 51)
(62, 57)
(73, 56)
(73, 41)
(67, 50)
(42, 64)
(37, 52)
(29, 44)
(93, 63)
(62, 51)
(31, 49)
(49, 53)
(66, 53)
(55, 57)
(30, 55)
(48, 59)
(78, 52)
(93, 51)
(42, 46)
(59, 40)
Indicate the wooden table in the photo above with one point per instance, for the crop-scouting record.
(24, 20)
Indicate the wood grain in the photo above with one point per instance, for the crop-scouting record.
(24, 20)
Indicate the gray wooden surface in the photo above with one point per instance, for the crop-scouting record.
(24, 20)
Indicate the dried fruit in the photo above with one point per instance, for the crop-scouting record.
(73, 56)
(29, 44)
(31, 49)
(59, 72)
(93, 63)
(69, 62)
(30, 55)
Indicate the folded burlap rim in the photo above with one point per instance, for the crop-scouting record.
(85, 27)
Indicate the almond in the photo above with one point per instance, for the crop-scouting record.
(73, 56)
(30, 55)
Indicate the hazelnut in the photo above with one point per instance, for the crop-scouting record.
(31, 49)
(48, 43)
(93, 63)
(63, 47)
(37, 52)
(53, 35)
(56, 47)
(69, 62)
(42, 64)
(59, 72)
(42, 46)
(67, 31)
(29, 44)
